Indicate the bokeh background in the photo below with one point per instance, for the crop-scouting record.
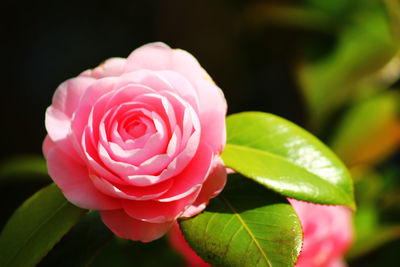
(331, 66)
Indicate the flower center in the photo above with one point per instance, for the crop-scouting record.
(136, 129)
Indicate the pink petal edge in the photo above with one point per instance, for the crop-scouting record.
(126, 227)
(73, 179)
(214, 184)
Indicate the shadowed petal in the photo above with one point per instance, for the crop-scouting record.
(126, 227)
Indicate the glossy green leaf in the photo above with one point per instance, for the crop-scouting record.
(369, 131)
(246, 225)
(36, 226)
(285, 158)
(81, 244)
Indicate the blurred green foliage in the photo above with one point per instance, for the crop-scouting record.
(363, 45)
(353, 99)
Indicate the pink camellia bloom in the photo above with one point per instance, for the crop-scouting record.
(327, 230)
(139, 139)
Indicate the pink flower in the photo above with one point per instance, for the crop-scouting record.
(328, 233)
(138, 139)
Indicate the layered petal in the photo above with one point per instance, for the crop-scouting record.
(131, 192)
(125, 226)
(67, 96)
(157, 212)
(74, 181)
(58, 115)
(159, 56)
(139, 139)
(98, 89)
(189, 180)
(211, 101)
(212, 186)
(212, 114)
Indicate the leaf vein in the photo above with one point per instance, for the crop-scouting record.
(247, 229)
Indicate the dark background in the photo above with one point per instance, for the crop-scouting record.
(47, 43)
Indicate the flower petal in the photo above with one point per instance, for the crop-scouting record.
(211, 187)
(131, 192)
(158, 212)
(74, 181)
(159, 56)
(126, 227)
(153, 56)
(327, 232)
(212, 114)
(192, 176)
(99, 89)
(111, 67)
(59, 131)
(212, 104)
(59, 114)
(47, 145)
(67, 96)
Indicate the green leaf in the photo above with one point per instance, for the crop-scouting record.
(26, 166)
(393, 11)
(81, 245)
(369, 131)
(36, 226)
(285, 158)
(246, 225)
